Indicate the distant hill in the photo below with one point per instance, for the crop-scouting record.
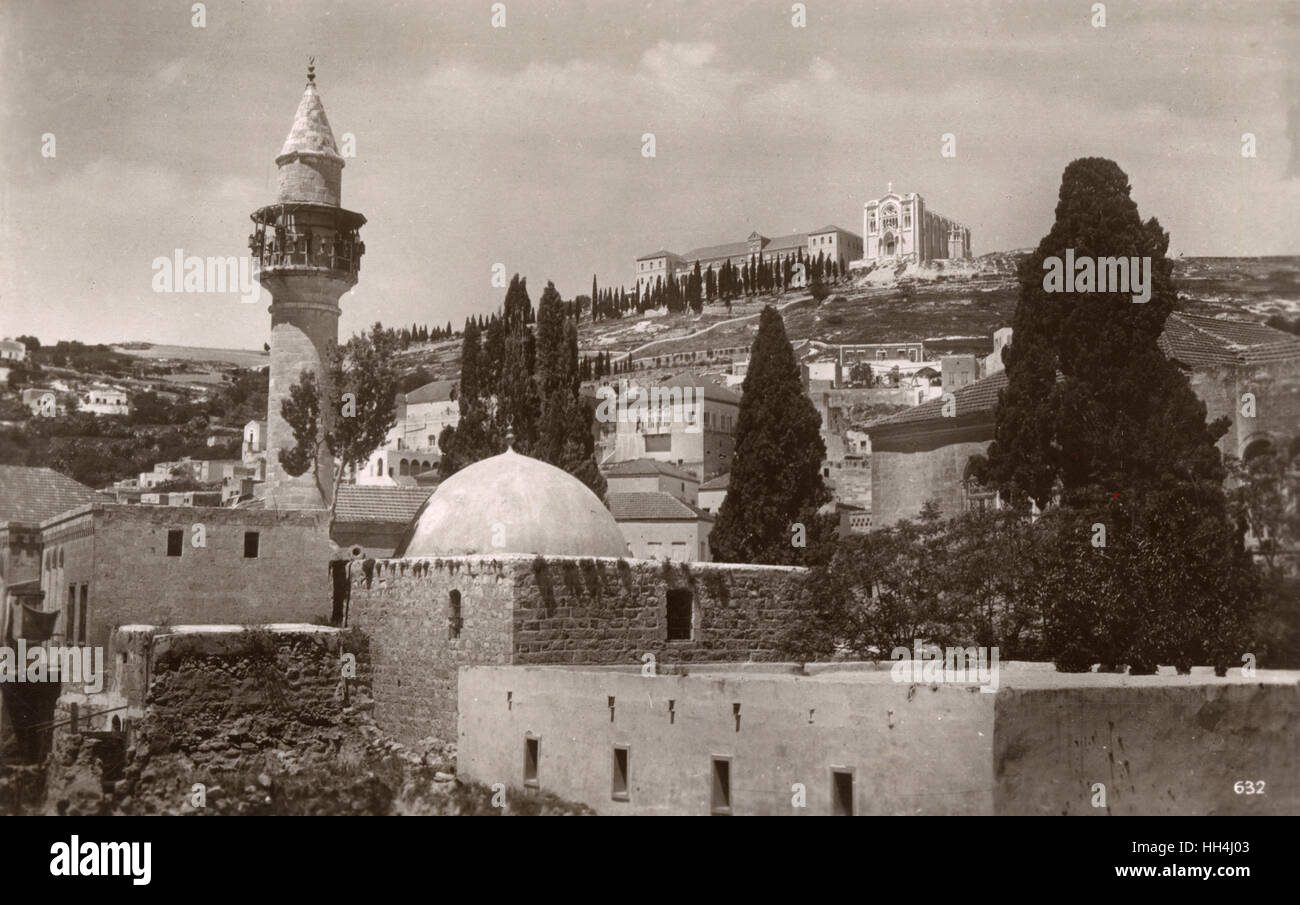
(243, 358)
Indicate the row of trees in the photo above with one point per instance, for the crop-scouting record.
(417, 333)
(524, 382)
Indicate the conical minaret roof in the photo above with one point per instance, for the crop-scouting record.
(310, 133)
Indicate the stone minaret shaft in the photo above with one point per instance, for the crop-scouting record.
(307, 249)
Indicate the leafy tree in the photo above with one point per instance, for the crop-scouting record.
(776, 480)
(350, 415)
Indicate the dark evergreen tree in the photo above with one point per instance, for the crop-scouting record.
(776, 479)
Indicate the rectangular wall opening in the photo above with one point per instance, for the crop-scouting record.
(251, 544)
(680, 614)
(82, 633)
(531, 754)
(841, 793)
(619, 791)
(175, 541)
(720, 799)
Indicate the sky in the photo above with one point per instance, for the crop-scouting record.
(523, 145)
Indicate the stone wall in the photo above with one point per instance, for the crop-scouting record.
(573, 610)
(524, 609)
(1158, 748)
(404, 610)
(912, 750)
(1161, 744)
(927, 462)
(1277, 402)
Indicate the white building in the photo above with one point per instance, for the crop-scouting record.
(11, 350)
(100, 400)
(901, 227)
(991, 364)
(423, 413)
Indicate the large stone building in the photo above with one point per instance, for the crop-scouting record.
(688, 421)
(105, 564)
(901, 227)
(307, 251)
(830, 242)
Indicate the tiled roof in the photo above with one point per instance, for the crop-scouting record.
(378, 503)
(794, 240)
(718, 483)
(661, 253)
(35, 494)
(640, 467)
(708, 388)
(832, 229)
(435, 391)
(1197, 340)
(712, 252)
(981, 396)
(645, 507)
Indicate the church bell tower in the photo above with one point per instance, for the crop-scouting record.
(307, 253)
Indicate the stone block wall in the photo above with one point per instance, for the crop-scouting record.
(570, 610)
(404, 610)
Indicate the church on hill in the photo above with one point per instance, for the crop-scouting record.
(901, 228)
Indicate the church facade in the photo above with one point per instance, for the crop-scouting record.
(901, 228)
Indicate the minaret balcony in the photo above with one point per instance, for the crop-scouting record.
(305, 237)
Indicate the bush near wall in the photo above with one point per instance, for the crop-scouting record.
(1166, 588)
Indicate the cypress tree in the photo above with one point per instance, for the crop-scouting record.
(776, 478)
(563, 431)
(1124, 416)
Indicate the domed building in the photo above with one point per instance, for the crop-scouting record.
(513, 504)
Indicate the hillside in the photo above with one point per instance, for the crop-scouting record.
(954, 306)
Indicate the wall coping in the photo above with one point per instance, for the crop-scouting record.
(529, 558)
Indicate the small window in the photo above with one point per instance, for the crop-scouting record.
(841, 793)
(532, 752)
(720, 798)
(679, 614)
(251, 543)
(82, 632)
(175, 541)
(619, 790)
(454, 621)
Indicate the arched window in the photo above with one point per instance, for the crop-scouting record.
(891, 217)
(1260, 446)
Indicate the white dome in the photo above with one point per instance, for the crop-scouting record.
(514, 504)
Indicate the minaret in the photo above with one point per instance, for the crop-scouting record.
(307, 251)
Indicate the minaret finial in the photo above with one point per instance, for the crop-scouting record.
(311, 70)
(510, 435)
